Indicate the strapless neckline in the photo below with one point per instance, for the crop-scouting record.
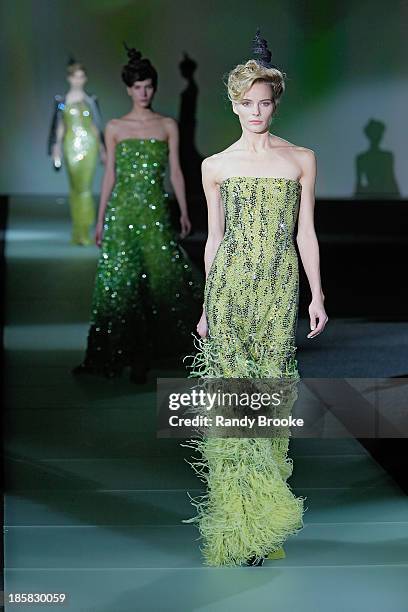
(150, 140)
(261, 178)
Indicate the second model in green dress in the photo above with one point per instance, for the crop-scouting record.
(147, 294)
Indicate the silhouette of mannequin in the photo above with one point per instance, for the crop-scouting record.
(375, 167)
(190, 158)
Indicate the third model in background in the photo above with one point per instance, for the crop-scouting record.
(76, 138)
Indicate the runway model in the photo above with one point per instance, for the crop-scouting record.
(256, 190)
(76, 136)
(147, 294)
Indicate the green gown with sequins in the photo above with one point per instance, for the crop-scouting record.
(80, 145)
(148, 294)
(251, 300)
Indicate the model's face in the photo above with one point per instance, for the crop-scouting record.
(256, 108)
(142, 92)
(78, 79)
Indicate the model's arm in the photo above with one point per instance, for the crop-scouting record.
(216, 227)
(216, 217)
(101, 144)
(308, 245)
(59, 136)
(108, 180)
(98, 125)
(176, 175)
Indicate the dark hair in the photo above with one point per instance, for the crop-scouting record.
(138, 68)
(73, 66)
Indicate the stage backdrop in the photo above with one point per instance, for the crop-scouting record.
(346, 64)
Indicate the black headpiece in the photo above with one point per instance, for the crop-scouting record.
(132, 53)
(260, 51)
(138, 68)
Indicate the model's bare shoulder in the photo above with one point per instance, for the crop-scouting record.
(306, 160)
(305, 156)
(218, 163)
(168, 121)
(292, 147)
(112, 123)
(277, 141)
(210, 167)
(209, 164)
(169, 125)
(112, 127)
(304, 151)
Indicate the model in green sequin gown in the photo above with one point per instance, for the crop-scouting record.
(81, 146)
(147, 294)
(251, 300)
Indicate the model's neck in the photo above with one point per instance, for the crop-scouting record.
(255, 142)
(140, 112)
(77, 91)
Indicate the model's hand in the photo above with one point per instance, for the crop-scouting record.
(102, 155)
(317, 313)
(99, 233)
(57, 155)
(185, 225)
(202, 326)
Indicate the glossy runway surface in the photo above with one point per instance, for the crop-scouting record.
(95, 501)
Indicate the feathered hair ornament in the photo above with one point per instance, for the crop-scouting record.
(260, 51)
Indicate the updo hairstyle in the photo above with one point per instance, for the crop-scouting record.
(243, 76)
(138, 69)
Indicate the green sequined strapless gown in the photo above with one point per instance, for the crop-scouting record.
(148, 294)
(80, 154)
(251, 301)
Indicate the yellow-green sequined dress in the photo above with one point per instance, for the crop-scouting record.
(251, 301)
(81, 145)
(148, 294)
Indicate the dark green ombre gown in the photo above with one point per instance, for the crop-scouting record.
(148, 295)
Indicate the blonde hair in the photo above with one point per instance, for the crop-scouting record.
(242, 77)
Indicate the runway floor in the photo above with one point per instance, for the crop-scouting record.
(94, 500)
